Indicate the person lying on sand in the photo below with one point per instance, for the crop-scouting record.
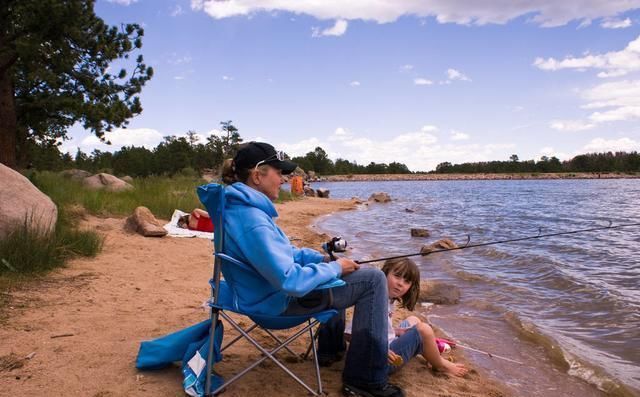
(197, 220)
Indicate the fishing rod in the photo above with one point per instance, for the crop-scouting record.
(467, 245)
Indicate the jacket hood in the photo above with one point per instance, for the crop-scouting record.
(241, 194)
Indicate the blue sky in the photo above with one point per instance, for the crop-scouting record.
(420, 82)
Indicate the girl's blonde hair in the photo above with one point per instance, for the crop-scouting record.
(407, 269)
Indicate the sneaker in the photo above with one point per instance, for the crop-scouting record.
(387, 390)
(326, 360)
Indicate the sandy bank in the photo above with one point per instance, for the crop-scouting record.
(140, 288)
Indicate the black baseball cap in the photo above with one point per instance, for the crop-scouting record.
(252, 154)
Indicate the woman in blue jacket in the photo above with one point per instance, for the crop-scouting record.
(283, 278)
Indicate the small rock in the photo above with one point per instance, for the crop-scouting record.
(417, 232)
(322, 192)
(439, 293)
(143, 222)
(380, 197)
(442, 244)
(309, 192)
(127, 179)
(356, 200)
(409, 210)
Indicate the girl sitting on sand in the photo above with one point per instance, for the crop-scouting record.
(412, 336)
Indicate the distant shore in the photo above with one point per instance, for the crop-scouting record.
(462, 177)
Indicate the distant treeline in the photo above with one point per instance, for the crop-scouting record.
(187, 155)
(591, 162)
(176, 155)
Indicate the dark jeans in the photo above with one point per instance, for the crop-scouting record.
(366, 289)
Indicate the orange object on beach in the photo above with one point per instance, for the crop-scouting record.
(297, 186)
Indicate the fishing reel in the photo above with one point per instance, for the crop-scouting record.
(336, 244)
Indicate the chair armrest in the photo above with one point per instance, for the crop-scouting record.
(336, 282)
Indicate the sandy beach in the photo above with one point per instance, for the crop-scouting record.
(76, 331)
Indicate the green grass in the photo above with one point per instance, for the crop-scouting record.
(26, 251)
(161, 195)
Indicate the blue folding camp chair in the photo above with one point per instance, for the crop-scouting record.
(223, 299)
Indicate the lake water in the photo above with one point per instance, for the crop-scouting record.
(568, 307)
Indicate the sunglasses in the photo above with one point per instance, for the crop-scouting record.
(278, 156)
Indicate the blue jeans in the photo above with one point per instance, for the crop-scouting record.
(407, 346)
(366, 289)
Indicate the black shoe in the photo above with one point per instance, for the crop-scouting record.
(326, 360)
(387, 390)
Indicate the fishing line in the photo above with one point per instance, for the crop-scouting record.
(467, 245)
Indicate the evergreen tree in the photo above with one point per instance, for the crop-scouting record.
(54, 59)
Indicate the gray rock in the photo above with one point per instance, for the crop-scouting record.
(417, 232)
(107, 182)
(380, 197)
(439, 293)
(309, 192)
(21, 201)
(127, 179)
(76, 174)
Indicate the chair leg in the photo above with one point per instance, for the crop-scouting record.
(266, 354)
(315, 337)
(315, 357)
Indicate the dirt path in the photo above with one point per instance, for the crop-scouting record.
(81, 326)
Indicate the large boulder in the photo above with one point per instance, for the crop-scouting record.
(438, 292)
(76, 174)
(142, 221)
(107, 182)
(21, 201)
(380, 197)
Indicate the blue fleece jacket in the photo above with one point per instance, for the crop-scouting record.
(279, 270)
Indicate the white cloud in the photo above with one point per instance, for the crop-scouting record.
(609, 102)
(611, 145)
(123, 2)
(176, 10)
(613, 23)
(458, 136)
(119, 137)
(178, 77)
(227, 78)
(338, 29)
(546, 13)
(551, 152)
(615, 101)
(419, 150)
(611, 64)
(454, 74)
(354, 83)
(421, 81)
(571, 125)
(406, 68)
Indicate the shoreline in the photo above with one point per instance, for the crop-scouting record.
(141, 288)
(477, 177)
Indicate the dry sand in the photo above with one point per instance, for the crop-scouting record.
(81, 326)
